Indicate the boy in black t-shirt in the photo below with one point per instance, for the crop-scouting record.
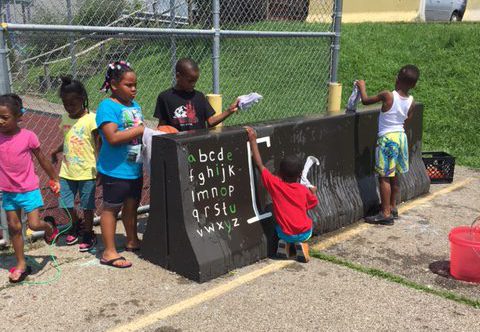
(185, 108)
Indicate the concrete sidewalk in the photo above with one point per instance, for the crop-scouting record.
(271, 294)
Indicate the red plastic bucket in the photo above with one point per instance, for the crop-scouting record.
(465, 253)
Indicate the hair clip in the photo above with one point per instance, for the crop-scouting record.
(23, 110)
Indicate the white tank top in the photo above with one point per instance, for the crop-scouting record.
(392, 120)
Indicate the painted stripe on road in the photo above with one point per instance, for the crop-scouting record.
(341, 236)
(208, 295)
(350, 232)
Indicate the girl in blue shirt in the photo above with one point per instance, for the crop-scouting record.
(120, 123)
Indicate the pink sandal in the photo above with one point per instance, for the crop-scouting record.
(23, 274)
(50, 239)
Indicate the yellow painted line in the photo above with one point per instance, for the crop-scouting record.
(217, 291)
(422, 200)
(208, 295)
(346, 234)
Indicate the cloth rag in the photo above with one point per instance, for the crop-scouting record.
(247, 101)
(311, 160)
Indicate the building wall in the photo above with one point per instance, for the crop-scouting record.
(355, 11)
(473, 11)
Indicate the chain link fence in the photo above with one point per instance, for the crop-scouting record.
(281, 49)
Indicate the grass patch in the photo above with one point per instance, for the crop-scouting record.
(447, 55)
(292, 74)
(396, 279)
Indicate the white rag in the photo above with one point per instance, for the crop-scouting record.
(306, 168)
(354, 98)
(247, 101)
(146, 155)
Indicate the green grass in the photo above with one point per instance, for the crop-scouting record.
(291, 74)
(447, 55)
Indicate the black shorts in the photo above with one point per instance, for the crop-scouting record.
(116, 191)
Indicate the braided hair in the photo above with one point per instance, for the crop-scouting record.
(73, 86)
(115, 72)
(14, 103)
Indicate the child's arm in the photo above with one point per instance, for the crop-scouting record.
(48, 168)
(252, 137)
(216, 119)
(410, 114)
(115, 136)
(98, 142)
(385, 97)
(53, 155)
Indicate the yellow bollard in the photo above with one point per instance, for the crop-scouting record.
(334, 98)
(216, 103)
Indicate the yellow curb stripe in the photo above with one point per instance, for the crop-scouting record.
(352, 231)
(208, 295)
(217, 291)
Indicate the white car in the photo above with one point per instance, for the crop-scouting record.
(445, 10)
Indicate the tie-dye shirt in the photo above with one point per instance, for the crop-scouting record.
(78, 148)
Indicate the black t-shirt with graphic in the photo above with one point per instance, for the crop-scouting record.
(183, 110)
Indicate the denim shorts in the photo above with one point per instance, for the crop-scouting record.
(116, 191)
(27, 201)
(84, 188)
(302, 237)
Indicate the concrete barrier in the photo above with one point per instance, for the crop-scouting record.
(209, 213)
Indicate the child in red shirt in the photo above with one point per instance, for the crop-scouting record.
(290, 200)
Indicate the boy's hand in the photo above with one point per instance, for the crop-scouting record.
(234, 107)
(313, 189)
(54, 158)
(251, 133)
(361, 84)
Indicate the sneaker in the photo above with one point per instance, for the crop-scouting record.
(380, 219)
(301, 249)
(283, 249)
(50, 239)
(72, 235)
(395, 213)
(89, 240)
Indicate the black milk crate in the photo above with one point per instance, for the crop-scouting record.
(440, 166)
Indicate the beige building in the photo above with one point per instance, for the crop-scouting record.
(355, 11)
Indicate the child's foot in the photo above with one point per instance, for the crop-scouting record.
(395, 213)
(18, 275)
(49, 238)
(380, 218)
(73, 232)
(302, 252)
(89, 240)
(283, 249)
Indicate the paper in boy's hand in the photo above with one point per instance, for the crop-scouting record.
(354, 98)
(247, 101)
(311, 160)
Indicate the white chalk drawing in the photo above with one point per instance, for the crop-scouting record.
(257, 216)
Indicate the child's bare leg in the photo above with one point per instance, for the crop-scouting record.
(385, 195)
(71, 213)
(302, 250)
(395, 188)
(108, 224)
(16, 237)
(36, 224)
(129, 218)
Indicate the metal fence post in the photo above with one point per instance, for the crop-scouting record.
(335, 46)
(216, 46)
(71, 40)
(173, 45)
(5, 86)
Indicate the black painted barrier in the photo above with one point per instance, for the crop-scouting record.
(209, 211)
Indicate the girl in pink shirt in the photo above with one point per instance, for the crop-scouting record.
(18, 182)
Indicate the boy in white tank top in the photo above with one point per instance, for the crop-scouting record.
(391, 155)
